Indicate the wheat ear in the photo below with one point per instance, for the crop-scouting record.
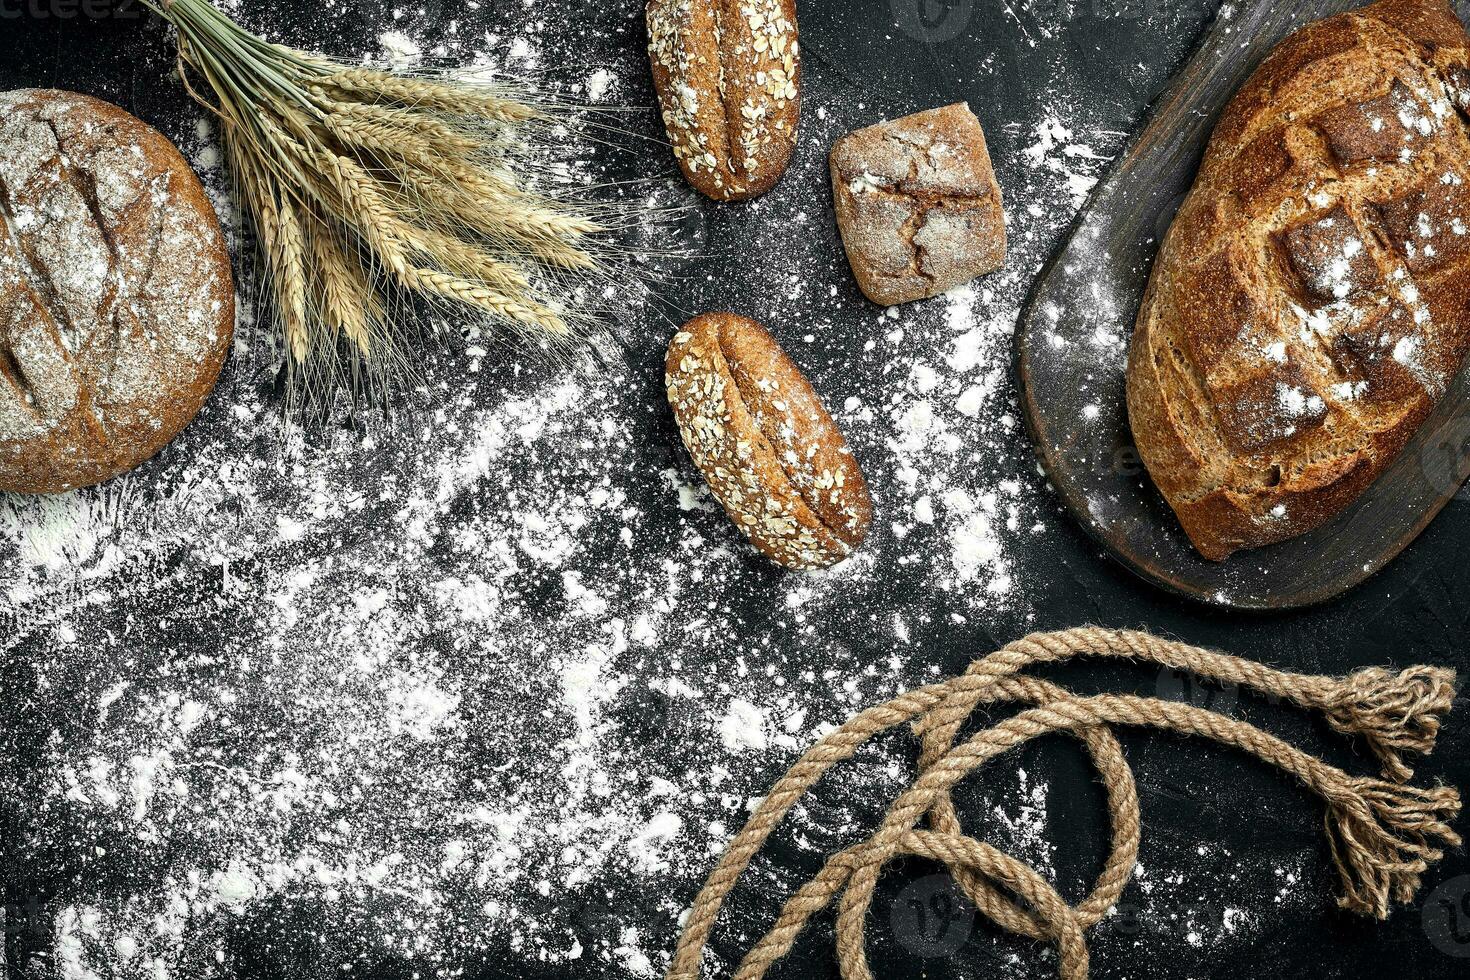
(349, 302)
(369, 188)
(375, 86)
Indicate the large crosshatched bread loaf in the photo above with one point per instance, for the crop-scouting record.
(1311, 302)
(116, 302)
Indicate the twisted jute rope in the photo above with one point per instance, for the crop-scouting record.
(1383, 833)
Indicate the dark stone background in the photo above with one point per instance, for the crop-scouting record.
(1416, 611)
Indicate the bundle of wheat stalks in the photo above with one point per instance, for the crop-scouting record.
(369, 188)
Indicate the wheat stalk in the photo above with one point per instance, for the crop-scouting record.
(370, 85)
(363, 183)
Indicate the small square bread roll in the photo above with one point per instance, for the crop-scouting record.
(918, 205)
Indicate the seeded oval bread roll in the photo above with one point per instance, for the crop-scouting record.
(728, 78)
(765, 445)
(116, 302)
(1311, 302)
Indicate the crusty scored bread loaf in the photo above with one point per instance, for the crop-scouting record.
(763, 442)
(1311, 302)
(116, 302)
(918, 204)
(728, 78)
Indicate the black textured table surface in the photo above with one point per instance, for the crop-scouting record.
(482, 691)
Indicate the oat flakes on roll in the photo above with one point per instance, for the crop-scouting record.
(918, 204)
(1311, 302)
(116, 300)
(764, 443)
(728, 78)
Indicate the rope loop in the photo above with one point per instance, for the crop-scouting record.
(1383, 833)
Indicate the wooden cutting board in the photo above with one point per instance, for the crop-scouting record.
(1072, 346)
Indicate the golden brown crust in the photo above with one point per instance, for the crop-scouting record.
(918, 204)
(728, 78)
(116, 300)
(1311, 302)
(764, 443)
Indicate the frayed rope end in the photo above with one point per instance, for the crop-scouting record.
(1396, 713)
(1384, 836)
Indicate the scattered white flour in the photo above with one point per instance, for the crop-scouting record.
(1055, 150)
(400, 49)
(743, 727)
(599, 84)
(500, 677)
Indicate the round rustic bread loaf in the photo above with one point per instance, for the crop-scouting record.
(765, 445)
(116, 301)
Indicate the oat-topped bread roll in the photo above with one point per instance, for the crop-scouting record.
(918, 204)
(765, 445)
(116, 302)
(728, 78)
(1312, 300)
